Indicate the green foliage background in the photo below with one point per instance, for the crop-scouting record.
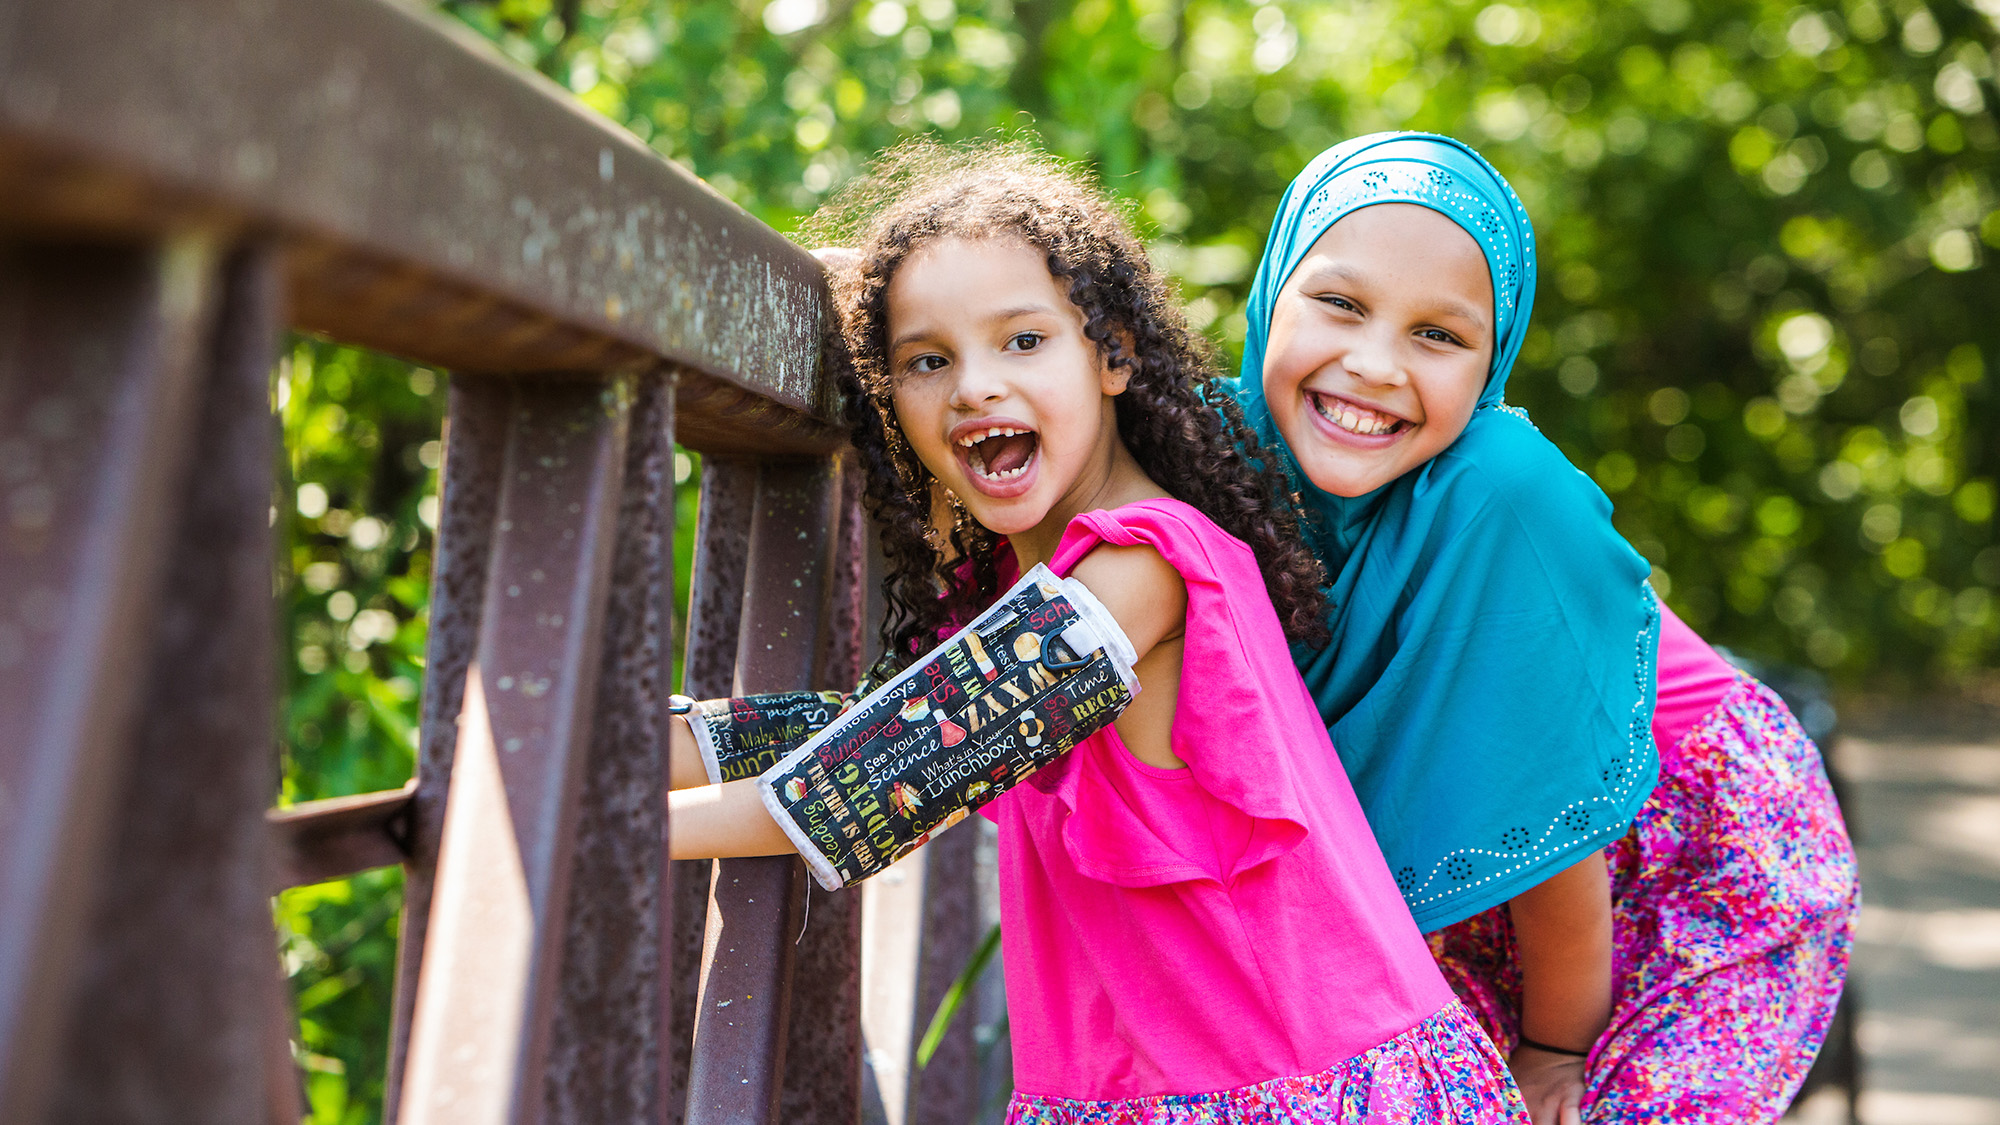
(362, 448)
(1767, 322)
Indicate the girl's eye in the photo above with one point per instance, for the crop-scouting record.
(1338, 302)
(1025, 341)
(1440, 336)
(925, 364)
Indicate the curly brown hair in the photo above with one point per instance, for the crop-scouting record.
(1181, 425)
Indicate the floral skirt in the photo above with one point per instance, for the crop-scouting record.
(1733, 905)
(1444, 1071)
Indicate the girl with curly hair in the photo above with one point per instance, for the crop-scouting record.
(1198, 926)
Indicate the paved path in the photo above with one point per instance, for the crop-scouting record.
(1925, 810)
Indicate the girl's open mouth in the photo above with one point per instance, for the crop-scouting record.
(1353, 418)
(998, 457)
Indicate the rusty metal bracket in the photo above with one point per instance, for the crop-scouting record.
(315, 841)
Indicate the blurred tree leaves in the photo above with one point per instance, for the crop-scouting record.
(1766, 323)
(1765, 318)
(363, 444)
(362, 449)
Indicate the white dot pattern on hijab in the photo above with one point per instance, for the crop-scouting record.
(1444, 192)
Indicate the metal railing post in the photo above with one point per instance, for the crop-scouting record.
(946, 1092)
(823, 1047)
(173, 1006)
(714, 624)
(475, 439)
(612, 1023)
(737, 1069)
(100, 350)
(493, 953)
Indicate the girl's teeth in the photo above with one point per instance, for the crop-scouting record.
(979, 466)
(1347, 418)
(971, 440)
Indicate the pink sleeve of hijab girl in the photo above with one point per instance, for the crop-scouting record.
(1693, 680)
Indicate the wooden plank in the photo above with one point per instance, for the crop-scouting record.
(492, 958)
(98, 351)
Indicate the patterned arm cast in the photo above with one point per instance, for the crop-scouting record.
(745, 735)
(1040, 671)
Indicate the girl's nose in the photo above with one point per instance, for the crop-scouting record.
(976, 385)
(1373, 359)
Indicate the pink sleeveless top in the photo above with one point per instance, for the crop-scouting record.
(1693, 680)
(1195, 930)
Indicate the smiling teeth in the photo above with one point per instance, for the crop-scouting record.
(979, 466)
(970, 443)
(1366, 422)
(977, 436)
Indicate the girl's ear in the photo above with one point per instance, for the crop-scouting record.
(1114, 379)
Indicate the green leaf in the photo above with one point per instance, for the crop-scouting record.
(954, 997)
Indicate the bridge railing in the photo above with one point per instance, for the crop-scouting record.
(178, 184)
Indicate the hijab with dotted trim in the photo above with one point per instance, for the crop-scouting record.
(1490, 682)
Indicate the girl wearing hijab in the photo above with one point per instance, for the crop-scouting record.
(1625, 852)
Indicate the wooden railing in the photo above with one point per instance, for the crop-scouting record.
(178, 183)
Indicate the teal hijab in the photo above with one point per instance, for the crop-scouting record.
(1490, 682)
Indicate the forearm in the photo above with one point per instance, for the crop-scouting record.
(720, 821)
(1562, 929)
(716, 740)
(684, 766)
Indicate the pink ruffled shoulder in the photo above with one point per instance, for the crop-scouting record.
(1242, 719)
